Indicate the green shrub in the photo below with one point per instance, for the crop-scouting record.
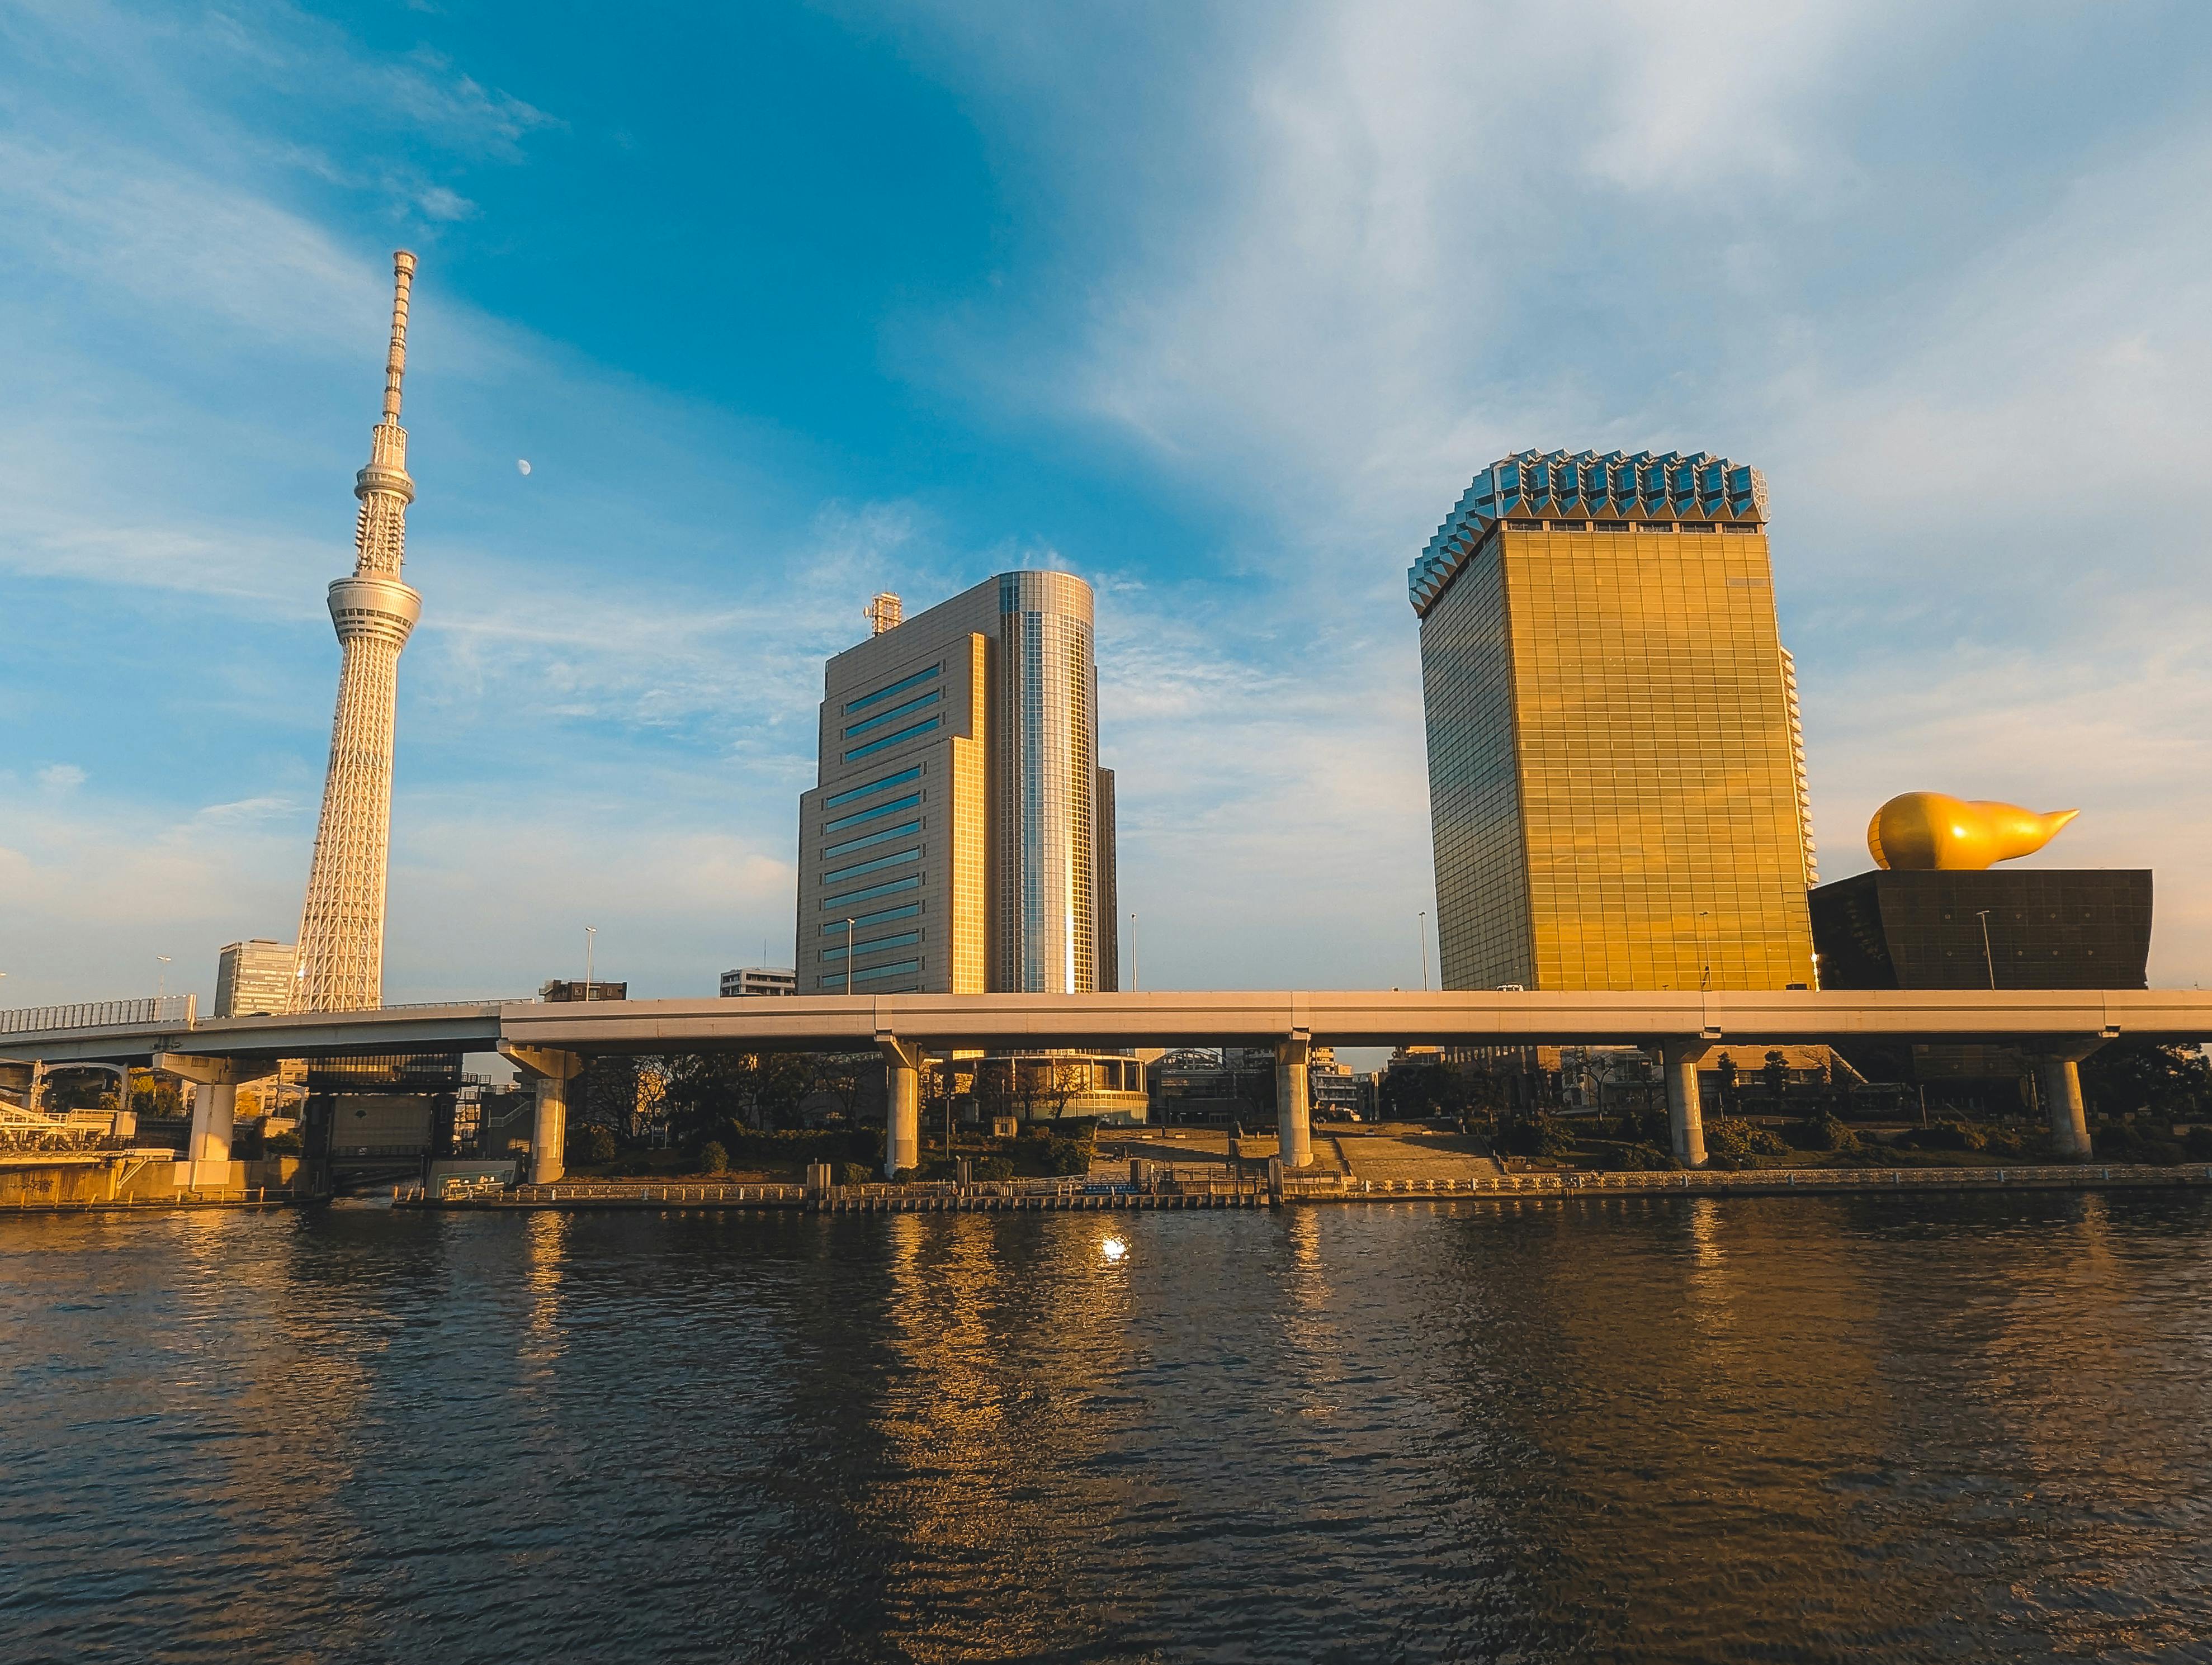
(712, 1158)
(1944, 1136)
(992, 1168)
(1538, 1135)
(282, 1145)
(855, 1173)
(1639, 1158)
(1821, 1133)
(1642, 1128)
(596, 1146)
(2124, 1142)
(2198, 1146)
(1731, 1142)
(1069, 1156)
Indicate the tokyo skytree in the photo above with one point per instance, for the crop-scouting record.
(341, 965)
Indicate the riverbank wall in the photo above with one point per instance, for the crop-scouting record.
(1093, 1195)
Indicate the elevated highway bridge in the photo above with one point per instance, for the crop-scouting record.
(547, 1042)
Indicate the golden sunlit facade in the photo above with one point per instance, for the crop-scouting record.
(1615, 775)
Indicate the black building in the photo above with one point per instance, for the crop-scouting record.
(2048, 927)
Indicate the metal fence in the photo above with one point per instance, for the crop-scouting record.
(104, 1014)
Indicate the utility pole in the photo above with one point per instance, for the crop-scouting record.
(1421, 930)
(590, 933)
(1988, 958)
(1135, 982)
(848, 957)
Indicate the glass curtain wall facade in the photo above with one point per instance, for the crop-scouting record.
(953, 842)
(1614, 770)
(255, 977)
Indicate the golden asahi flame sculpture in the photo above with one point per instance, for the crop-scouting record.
(1921, 830)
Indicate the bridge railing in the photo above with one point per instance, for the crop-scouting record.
(103, 1014)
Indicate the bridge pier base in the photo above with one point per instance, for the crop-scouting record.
(1293, 1107)
(215, 1110)
(2059, 1076)
(1685, 1115)
(901, 1104)
(550, 1072)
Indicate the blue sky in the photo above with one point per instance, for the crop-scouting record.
(1217, 306)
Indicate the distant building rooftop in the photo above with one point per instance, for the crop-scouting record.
(1645, 492)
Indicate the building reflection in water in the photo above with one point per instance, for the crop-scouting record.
(1865, 1428)
(1009, 1339)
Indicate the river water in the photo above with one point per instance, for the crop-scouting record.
(1643, 1429)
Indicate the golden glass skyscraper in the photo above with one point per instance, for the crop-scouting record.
(1616, 774)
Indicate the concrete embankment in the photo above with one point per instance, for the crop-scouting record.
(1095, 1195)
(34, 1181)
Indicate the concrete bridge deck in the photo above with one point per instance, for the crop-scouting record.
(548, 1040)
(1246, 1018)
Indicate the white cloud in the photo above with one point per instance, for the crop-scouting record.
(61, 777)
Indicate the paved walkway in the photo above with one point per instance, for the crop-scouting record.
(1377, 1157)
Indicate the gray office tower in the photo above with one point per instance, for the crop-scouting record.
(960, 838)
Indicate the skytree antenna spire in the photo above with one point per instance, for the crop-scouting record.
(342, 926)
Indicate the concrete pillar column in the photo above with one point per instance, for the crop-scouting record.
(215, 1110)
(1293, 1119)
(2060, 1078)
(551, 1072)
(215, 1107)
(902, 1105)
(1685, 1119)
(548, 1131)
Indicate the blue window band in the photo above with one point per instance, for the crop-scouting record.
(898, 687)
(852, 844)
(879, 917)
(903, 969)
(890, 806)
(904, 939)
(893, 739)
(888, 782)
(881, 861)
(894, 713)
(912, 882)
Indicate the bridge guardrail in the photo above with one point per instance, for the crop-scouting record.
(103, 1014)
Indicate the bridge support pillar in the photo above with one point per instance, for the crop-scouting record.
(2057, 1073)
(550, 1072)
(1293, 1109)
(1685, 1116)
(214, 1110)
(901, 1104)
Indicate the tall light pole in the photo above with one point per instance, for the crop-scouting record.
(848, 957)
(1988, 958)
(161, 988)
(1705, 965)
(1135, 982)
(591, 933)
(1422, 931)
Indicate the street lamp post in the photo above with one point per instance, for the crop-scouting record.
(591, 933)
(1422, 931)
(1988, 958)
(848, 957)
(1135, 982)
(161, 988)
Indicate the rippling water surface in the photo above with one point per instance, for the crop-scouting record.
(1695, 1429)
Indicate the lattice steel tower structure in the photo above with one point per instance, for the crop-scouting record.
(342, 926)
